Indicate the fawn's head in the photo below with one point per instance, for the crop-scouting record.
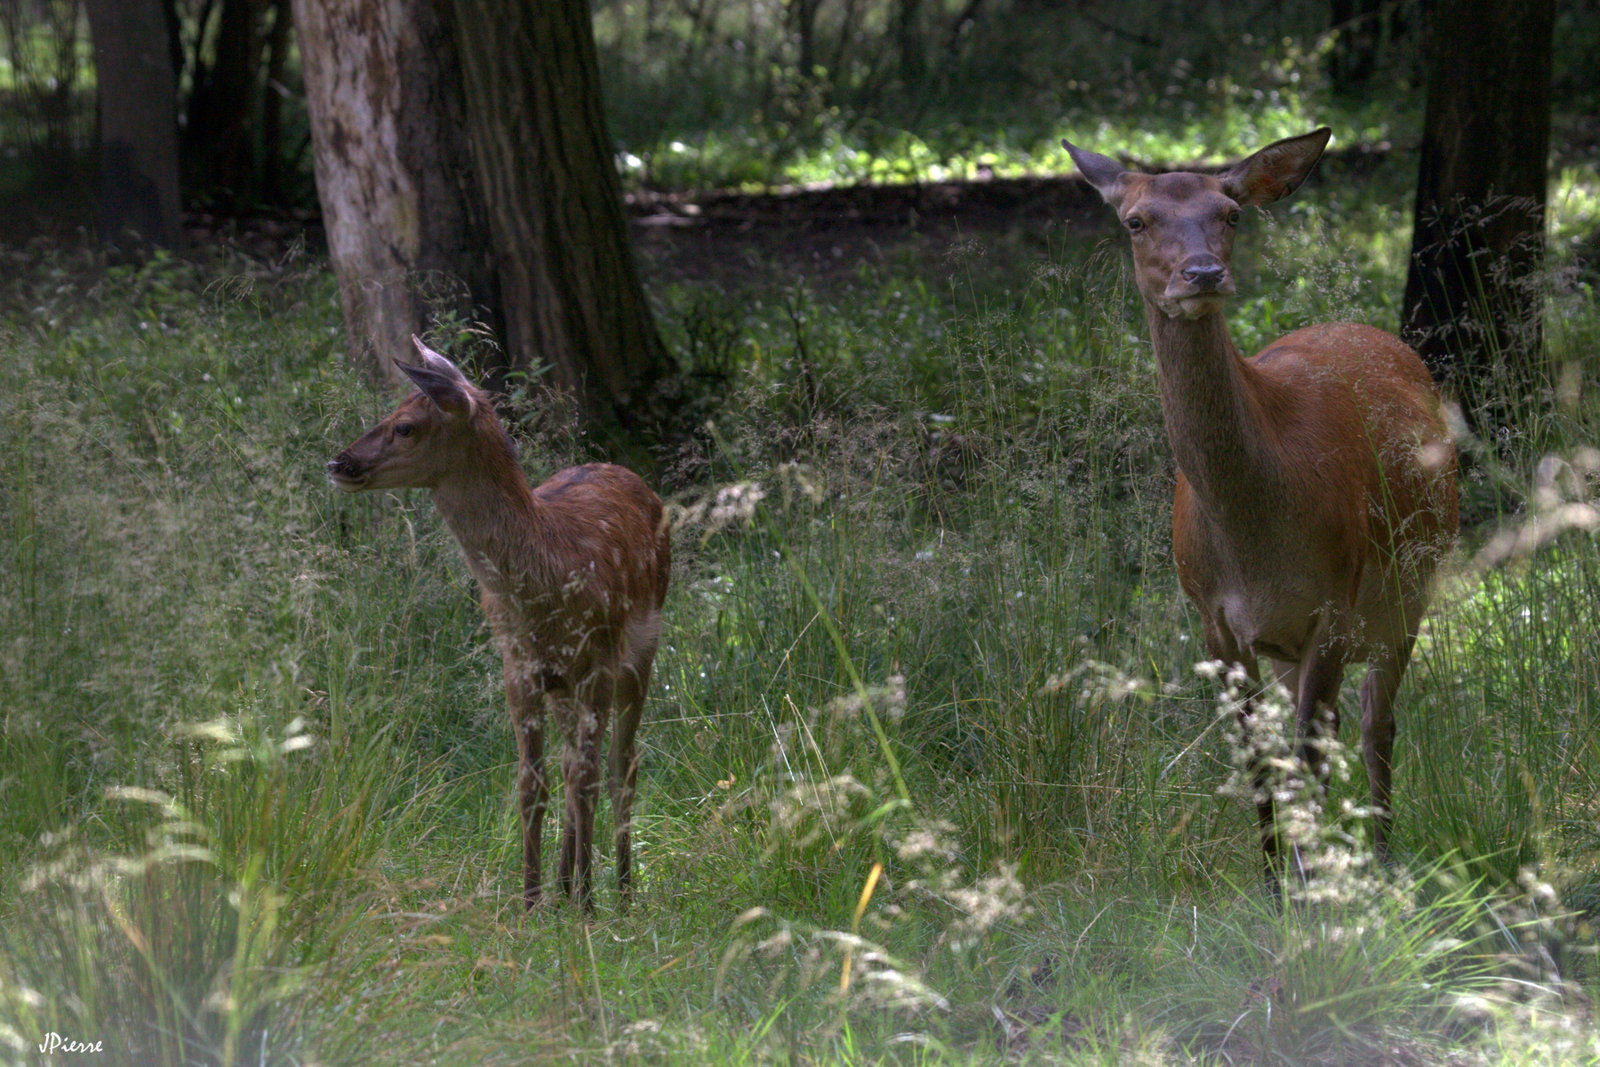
(434, 433)
(1182, 224)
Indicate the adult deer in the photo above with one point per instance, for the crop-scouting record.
(572, 576)
(1316, 480)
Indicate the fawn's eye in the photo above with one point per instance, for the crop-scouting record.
(1134, 223)
(1233, 218)
(402, 429)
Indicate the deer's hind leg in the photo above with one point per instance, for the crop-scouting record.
(581, 718)
(622, 772)
(1377, 738)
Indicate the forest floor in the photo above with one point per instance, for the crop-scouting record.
(693, 235)
(740, 239)
(734, 239)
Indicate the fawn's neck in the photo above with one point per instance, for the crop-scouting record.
(491, 510)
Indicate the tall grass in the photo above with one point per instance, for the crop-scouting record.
(928, 775)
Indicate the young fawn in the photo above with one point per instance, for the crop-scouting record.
(572, 576)
(1316, 480)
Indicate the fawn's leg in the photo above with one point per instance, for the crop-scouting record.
(582, 721)
(622, 773)
(527, 706)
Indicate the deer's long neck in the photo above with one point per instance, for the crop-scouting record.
(491, 510)
(1214, 419)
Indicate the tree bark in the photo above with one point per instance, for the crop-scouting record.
(406, 226)
(571, 295)
(1473, 291)
(138, 123)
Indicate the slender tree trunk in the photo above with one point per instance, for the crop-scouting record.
(1355, 50)
(169, 13)
(405, 221)
(219, 136)
(958, 27)
(804, 16)
(271, 184)
(571, 295)
(908, 40)
(1473, 292)
(138, 123)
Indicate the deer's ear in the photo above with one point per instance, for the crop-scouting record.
(1276, 170)
(440, 380)
(1102, 172)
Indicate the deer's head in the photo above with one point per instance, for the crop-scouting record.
(424, 440)
(1182, 224)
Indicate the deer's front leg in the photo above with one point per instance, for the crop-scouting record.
(582, 719)
(526, 700)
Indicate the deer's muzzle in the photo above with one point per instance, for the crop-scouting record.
(346, 473)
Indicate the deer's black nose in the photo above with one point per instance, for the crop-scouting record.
(1206, 277)
(341, 467)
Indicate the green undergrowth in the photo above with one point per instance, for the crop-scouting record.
(709, 95)
(719, 98)
(929, 775)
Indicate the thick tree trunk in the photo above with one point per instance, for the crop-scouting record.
(138, 122)
(1473, 292)
(405, 220)
(571, 296)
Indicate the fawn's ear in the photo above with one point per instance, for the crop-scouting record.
(1276, 170)
(440, 380)
(1102, 172)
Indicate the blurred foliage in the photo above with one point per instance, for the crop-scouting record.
(43, 67)
(757, 93)
(710, 92)
(48, 152)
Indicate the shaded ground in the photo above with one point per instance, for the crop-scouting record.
(736, 240)
(694, 235)
(739, 239)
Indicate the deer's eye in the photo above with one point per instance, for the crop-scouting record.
(402, 429)
(1134, 223)
(1233, 218)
